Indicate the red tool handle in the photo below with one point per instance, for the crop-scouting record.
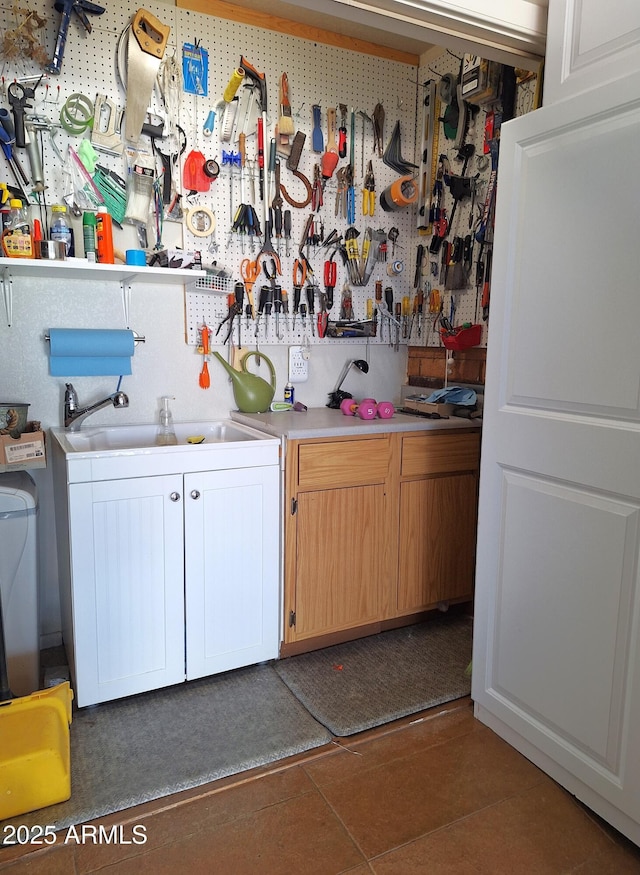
(260, 144)
(330, 274)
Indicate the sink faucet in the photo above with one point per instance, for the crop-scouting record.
(74, 415)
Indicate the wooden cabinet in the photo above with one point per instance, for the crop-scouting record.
(438, 510)
(338, 534)
(377, 528)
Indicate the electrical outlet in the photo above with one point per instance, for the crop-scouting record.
(298, 364)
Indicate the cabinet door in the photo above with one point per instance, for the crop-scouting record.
(339, 559)
(127, 586)
(589, 43)
(232, 568)
(437, 540)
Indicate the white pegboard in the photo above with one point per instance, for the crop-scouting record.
(318, 74)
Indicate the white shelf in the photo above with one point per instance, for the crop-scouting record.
(79, 268)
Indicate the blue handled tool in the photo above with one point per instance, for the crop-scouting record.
(66, 7)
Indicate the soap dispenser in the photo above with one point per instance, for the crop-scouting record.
(166, 436)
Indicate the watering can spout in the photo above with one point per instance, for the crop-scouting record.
(252, 394)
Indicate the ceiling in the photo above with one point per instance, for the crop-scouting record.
(357, 30)
(497, 29)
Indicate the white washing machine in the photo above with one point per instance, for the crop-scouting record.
(19, 580)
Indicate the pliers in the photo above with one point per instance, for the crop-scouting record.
(235, 309)
(369, 192)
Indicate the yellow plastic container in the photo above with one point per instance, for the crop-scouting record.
(35, 761)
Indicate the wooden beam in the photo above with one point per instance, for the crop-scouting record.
(222, 9)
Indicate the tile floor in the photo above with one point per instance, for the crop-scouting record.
(436, 793)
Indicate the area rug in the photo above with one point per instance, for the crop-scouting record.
(361, 684)
(134, 750)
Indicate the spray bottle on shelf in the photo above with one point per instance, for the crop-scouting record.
(17, 235)
(166, 436)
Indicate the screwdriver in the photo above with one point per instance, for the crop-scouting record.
(398, 315)
(238, 292)
(277, 214)
(405, 316)
(310, 304)
(296, 303)
(303, 317)
(277, 306)
(263, 302)
(388, 299)
(287, 232)
(372, 316)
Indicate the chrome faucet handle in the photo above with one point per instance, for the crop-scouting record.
(70, 397)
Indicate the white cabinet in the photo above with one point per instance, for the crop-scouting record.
(231, 563)
(166, 578)
(589, 43)
(127, 586)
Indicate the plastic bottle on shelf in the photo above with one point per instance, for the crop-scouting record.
(104, 238)
(89, 235)
(166, 436)
(17, 234)
(61, 229)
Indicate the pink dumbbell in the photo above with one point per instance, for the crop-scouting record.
(366, 409)
(385, 410)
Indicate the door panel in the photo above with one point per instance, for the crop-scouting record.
(232, 549)
(589, 43)
(339, 558)
(437, 540)
(127, 586)
(557, 634)
(549, 592)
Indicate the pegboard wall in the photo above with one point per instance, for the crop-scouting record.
(318, 75)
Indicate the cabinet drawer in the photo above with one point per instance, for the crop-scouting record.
(439, 453)
(338, 463)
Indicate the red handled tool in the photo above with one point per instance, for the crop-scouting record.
(330, 277)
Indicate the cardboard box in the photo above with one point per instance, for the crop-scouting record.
(415, 402)
(27, 451)
(480, 79)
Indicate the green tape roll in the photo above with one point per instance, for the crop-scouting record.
(77, 114)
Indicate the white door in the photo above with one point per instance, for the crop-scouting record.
(589, 43)
(556, 664)
(127, 586)
(232, 554)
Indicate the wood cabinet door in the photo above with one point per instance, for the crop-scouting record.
(127, 586)
(437, 540)
(339, 561)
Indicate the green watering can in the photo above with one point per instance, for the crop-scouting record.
(252, 393)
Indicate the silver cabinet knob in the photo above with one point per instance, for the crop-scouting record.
(175, 496)
(195, 494)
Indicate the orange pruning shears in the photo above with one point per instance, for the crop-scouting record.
(250, 270)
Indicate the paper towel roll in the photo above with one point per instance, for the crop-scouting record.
(88, 352)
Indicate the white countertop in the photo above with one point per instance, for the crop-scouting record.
(323, 422)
